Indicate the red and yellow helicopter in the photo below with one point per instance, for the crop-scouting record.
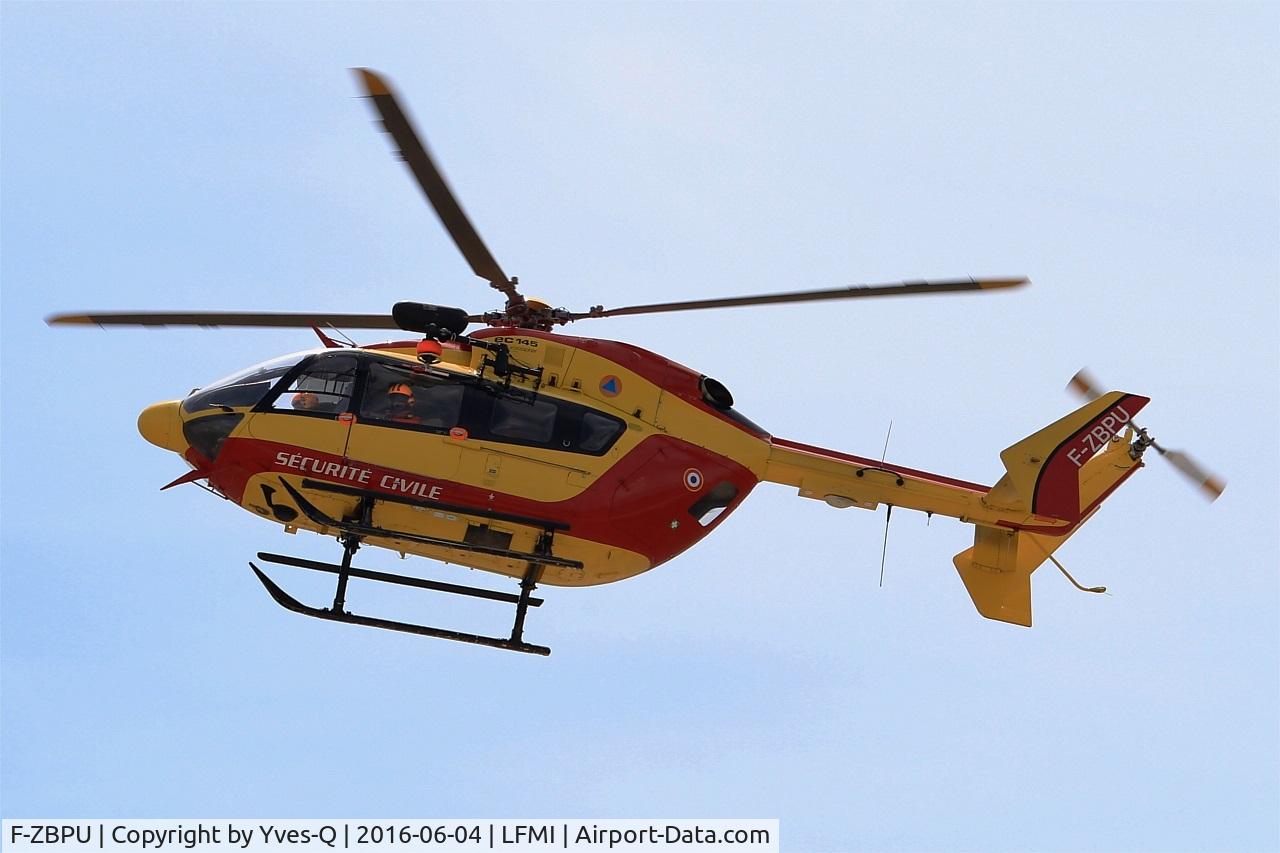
(571, 461)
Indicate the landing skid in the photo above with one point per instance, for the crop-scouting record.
(288, 602)
(514, 643)
(353, 532)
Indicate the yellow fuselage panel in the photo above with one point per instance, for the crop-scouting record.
(601, 563)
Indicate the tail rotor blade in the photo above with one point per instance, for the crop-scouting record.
(1085, 385)
(1210, 486)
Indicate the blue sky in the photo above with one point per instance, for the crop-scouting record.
(216, 156)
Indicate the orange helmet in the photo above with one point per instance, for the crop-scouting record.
(401, 388)
(305, 400)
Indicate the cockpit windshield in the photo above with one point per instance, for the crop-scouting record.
(244, 388)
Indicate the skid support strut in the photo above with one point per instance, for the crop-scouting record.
(350, 544)
(528, 584)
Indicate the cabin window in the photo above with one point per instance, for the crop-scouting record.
(323, 388)
(408, 397)
(597, 432)
(532, 422)
(400, 396)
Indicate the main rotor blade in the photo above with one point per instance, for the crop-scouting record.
(856, 291)
(223, 318)
(432, 181)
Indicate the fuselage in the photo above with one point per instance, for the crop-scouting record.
(628, 456)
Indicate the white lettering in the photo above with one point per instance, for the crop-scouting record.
(324, 468)
(392, 483)
(338, 471)
(1103, 430)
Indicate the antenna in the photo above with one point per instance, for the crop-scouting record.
(1065, 573)
(342, 334)
(884, 547)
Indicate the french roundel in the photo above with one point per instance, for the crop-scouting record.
(693, 479)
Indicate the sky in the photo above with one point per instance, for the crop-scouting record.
(216, 156)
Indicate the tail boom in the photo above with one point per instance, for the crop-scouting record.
(1054, 481)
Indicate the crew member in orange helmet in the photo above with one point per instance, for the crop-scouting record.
(306, 401)
(400, 404)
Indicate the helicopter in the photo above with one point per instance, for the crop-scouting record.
(570, 461)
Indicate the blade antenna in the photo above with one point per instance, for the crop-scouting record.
(884, 547)
(341, 334)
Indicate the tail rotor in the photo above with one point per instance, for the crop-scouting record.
(1209, 484)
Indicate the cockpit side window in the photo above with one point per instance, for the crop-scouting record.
(245, 388)
(324, 387)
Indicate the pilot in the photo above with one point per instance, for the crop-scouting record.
(400, 404)
(305, 401)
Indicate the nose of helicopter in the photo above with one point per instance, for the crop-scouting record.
(160, 424)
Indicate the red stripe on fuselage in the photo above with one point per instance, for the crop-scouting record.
(395, 345)
(876, 463)
(632, 505)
